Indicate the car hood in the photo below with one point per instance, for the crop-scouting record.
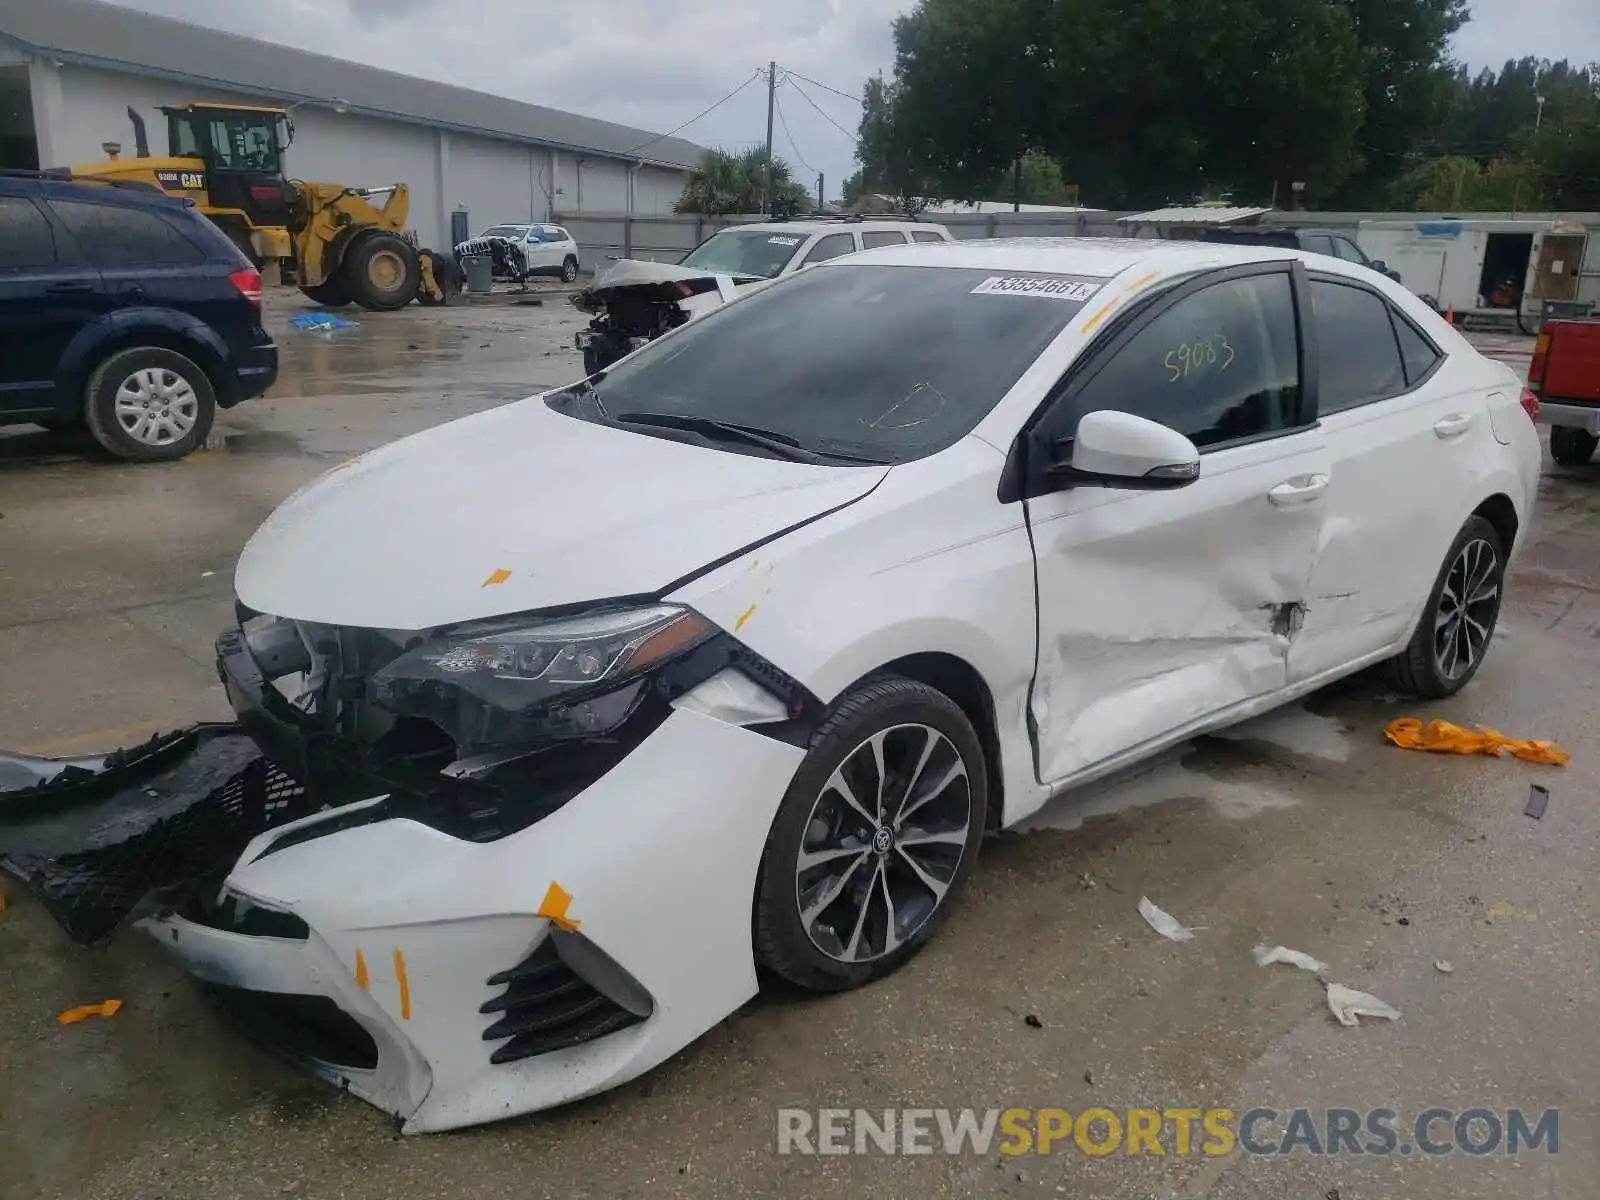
(520, 508)
(633, 272)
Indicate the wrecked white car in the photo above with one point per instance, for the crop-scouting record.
(633, 302)
(557, 722)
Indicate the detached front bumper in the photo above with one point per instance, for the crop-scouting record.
(406, 964)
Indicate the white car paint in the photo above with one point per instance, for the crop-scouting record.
(1158, 614)
(544, 247)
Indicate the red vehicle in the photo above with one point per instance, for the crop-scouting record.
(1565, 376)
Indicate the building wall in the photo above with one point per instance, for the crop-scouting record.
(77, 108)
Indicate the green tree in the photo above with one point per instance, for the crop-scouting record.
(736, 183)
(1150, 100)
(1459, 183)
(892, 165)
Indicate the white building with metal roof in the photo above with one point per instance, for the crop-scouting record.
(70, 69)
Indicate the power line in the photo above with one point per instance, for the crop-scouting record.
(846, 95)
(793, 145)
(802, 92)
(698, 115)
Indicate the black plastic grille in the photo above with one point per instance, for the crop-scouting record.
(301, 1027)
(547, 1006)
(150, 845)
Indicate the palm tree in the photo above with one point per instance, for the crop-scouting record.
(736, 183)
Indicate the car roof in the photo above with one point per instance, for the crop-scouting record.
(833, 226)
(101, 191)
(1090, 256)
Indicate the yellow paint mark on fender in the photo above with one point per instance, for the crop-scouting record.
(743, 617)
(497, 577)
(404, 982)
(554, 908)
(363, 978)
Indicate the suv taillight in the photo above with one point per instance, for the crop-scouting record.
(1530, 404)
(1541, 355)
(248, 282)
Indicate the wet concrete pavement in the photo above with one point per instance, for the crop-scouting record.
(1303, 829)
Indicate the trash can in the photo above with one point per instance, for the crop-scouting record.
(480, 273)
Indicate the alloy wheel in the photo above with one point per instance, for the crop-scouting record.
(883, 843)
(1468, 605)
(157, 406)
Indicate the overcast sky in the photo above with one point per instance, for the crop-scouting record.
(654, 64)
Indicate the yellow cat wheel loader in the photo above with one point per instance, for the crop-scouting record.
(342, 244)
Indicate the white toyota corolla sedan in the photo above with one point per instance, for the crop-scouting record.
(726, 659)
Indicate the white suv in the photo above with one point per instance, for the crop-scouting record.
(775, 248)
(547, 249)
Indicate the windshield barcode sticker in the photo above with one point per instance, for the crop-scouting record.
(1023, 285)
(784, 241)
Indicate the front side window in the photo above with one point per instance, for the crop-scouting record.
(1359, 358)
(753, 253)
(841, 360)
(26, 239)
(1219, 365)
(835, 245)
(1349, 251)
(244, 141)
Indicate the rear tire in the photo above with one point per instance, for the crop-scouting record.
(149, 405)
(569, 269)
(1572, 447)
(1457, 625)
(381, 272)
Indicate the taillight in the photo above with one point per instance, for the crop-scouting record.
(1541, 355)
(248, 281)
(1530, 404)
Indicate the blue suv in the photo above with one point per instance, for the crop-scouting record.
(126, 312)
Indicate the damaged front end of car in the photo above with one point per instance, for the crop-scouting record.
(633, 302)
(351, 869)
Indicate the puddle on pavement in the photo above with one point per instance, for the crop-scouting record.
(258, 442)
(1296, 730)
(1166, 782)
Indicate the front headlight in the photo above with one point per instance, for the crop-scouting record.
(507, 683)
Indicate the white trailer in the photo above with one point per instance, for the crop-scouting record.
(1503, 269)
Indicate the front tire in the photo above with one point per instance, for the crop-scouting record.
(332, 294)
(381, 272)
(1458, 622)
(1572, 447)
(875, 837)
(149, 405)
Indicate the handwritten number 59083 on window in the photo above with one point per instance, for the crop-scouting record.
(1190, 358)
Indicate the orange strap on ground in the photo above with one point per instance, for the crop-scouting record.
(1409, 733)
(107, 1008)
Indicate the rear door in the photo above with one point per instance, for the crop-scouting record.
(47, 295)
(1398, 442)
(1158, 609)
(147, 259)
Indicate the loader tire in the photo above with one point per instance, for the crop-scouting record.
(381, 272)
(444, 275)
(331, 294)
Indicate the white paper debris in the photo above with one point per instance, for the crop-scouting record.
(1163, 923)
(1444, 966)
(1267, 955)
(1348, 1005)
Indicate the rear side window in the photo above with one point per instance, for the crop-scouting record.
(1359, 358)
(882, 238)
(1219, 365)
(26, 239)
(831, 246)
(920, 235)
(1416, 351)
(114, 236)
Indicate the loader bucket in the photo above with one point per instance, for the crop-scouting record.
(103, 842)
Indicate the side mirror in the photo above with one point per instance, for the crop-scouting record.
(1118, 449)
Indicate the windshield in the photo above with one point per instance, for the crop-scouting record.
(886, 362)
(505, 231)
(753, 253)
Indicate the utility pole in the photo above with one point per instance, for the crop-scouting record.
(1016, 186)
(819, 191)
(772, 96)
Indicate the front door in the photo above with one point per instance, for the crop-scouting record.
(47, 295)
(1158, 609)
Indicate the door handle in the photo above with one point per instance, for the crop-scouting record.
(1453, 426)
(1300, 490)
(69, 289)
